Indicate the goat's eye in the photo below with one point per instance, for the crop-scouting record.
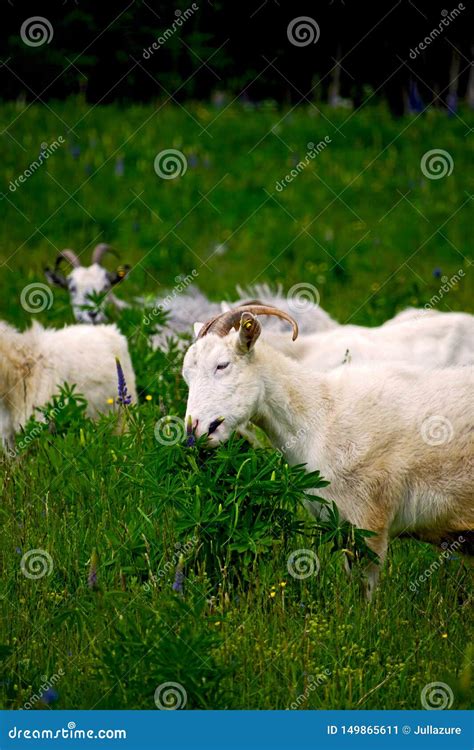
(223, 366)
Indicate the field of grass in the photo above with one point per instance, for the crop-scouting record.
(123, 517)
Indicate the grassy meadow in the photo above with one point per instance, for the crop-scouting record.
(169, 564)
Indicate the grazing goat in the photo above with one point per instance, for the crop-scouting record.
(83, 281)
(396, 443)
(33, 364)
(432, 340)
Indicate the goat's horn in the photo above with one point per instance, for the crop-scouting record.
(222, 324)
(99, 251)
(70, 256)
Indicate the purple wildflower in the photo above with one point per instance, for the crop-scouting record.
(49, 696)
(178, 584)
(124, 398)
(437, 273)
(190, 439)
(92, 577)
(75, 151)
(119, 166)
(452, 104)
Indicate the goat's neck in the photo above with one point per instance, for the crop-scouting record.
(294, 399)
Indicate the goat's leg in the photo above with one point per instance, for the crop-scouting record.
(379, 545)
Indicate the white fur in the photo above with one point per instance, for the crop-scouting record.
(361, 427)
(431, 340)
(82, 282)
(33, 364)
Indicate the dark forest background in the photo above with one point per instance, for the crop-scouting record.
(230, 49)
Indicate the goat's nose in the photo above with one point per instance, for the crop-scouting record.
(214, 425)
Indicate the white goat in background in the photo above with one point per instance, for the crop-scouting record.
(438, 340)
(83, 281)
(435, 338)
(33, 365)
(396, 443)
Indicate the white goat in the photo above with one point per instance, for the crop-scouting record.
(33, 364)
(84, 281)
(436, 340)
(396, 443)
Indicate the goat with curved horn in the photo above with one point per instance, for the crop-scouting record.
(70, 256)
(222, 324)
(99, 252)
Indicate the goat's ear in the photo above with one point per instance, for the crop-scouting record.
(115, 277)
(54, 278)
(249, 332)
(197, 329)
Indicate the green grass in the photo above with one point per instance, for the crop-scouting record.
(123, 507)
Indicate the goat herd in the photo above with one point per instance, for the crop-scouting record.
(386, 414)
